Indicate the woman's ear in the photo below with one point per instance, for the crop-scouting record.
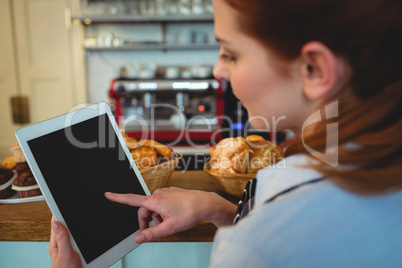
(319, 70)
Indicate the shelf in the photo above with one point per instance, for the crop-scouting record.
(135, 18)
(157, 47)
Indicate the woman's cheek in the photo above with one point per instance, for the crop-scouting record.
(241, 88)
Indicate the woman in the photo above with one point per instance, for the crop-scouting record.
(338, 201)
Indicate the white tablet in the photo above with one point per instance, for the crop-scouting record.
(76, 158)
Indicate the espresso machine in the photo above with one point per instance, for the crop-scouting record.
(172, 111)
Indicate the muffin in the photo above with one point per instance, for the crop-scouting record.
(21, 168)
(130, 141)
(18, 154)
(162, 150)
(244, 156)
(7, 177)
(230, 156)
(145, 157)
(262, 153)
(26, 186)
(148, 153)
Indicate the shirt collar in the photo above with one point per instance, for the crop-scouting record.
(286, 174)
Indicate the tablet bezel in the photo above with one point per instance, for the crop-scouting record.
(26, 134)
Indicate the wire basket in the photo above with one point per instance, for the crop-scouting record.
(230, 183)
(157, 176)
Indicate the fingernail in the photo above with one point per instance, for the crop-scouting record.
(108, 193)
(55, 226)
(139, 239)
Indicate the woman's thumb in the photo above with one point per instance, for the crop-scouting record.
(61, 236)
(155, 232)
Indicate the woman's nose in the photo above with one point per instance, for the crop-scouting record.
(221, 72)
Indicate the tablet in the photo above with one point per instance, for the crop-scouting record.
(76, 158)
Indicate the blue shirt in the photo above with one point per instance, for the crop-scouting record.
(314, 225)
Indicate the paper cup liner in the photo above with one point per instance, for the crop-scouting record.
(27, 191)
(6, 189)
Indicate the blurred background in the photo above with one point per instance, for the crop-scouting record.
(57, 54)
(151, 60)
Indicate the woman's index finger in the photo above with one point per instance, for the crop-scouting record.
(134, 200)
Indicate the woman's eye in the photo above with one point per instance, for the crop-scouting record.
(228, 58)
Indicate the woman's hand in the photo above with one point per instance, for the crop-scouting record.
(174, 210)
(60, 250)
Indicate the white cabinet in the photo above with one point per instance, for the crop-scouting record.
(8, 78)
(38, 60)
(45, 56)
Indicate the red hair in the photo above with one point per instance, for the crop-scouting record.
(367, 35)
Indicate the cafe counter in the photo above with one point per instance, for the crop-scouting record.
(31, 221)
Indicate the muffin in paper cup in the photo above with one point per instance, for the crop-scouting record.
(6, 188)
(26, 186)
(27, 191)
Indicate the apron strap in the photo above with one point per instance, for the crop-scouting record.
(246, 202)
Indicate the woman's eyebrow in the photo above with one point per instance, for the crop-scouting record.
(220, 40)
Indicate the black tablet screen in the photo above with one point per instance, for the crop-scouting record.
(79, 164)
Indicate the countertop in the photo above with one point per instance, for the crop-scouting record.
(31, 221)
